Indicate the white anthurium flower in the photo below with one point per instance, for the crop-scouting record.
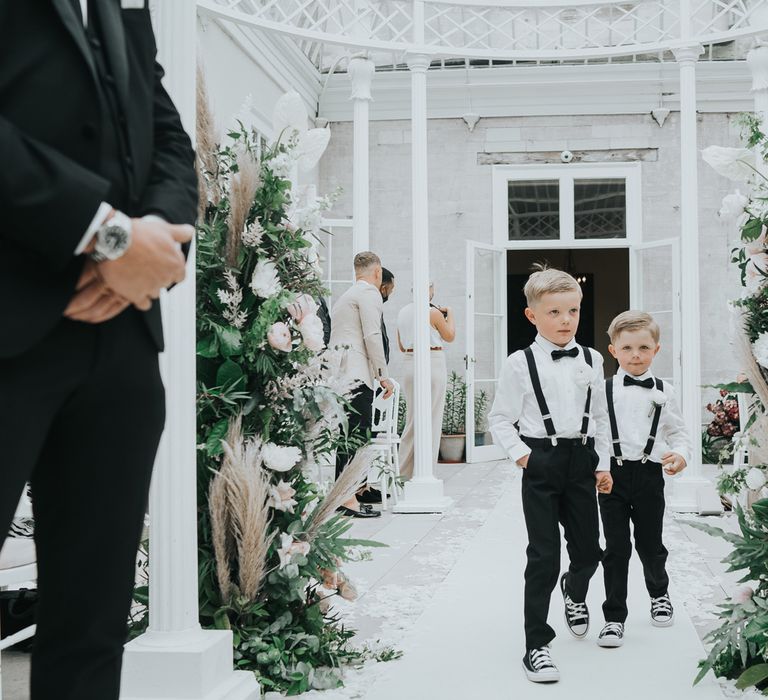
(280, 458)
(290, 114)
(310, 147)
(760, 350)
(733, 206)
(755, 478)
(733, 163)
(265, 282)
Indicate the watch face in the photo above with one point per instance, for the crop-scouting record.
(115, 238)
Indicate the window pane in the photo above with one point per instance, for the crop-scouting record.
(534, 210)
(600, 208)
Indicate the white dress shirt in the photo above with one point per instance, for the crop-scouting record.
(634, 415)
(564, 383)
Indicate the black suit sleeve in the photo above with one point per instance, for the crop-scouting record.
(47, 200)
(171, 191)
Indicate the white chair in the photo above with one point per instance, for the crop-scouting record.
(386, 441)
(18, 565)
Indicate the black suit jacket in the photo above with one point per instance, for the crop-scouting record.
(52, 174)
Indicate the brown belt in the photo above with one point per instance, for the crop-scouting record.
(411, 349)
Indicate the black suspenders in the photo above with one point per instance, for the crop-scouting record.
(615, 440)
(549, 426)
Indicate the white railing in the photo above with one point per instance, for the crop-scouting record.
(501, 31)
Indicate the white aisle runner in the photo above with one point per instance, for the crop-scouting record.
(468, 643)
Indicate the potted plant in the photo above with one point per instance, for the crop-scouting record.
(481, 425)
(453, 441)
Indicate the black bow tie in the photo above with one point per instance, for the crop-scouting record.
(559, 354)
(645, 383)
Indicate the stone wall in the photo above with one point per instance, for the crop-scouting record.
(461, 201)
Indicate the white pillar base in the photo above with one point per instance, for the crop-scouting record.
(423, 495)
(193, 665)
(694, 494)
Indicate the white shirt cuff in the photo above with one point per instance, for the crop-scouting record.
(518, 451)
(101, 214)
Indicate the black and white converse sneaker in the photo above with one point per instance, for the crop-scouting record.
(576, 614)
(539, 667)
(612, 635)
(661, 611)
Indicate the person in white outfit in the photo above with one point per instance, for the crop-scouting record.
(442, 329)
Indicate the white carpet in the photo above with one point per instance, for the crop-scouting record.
(468, 642)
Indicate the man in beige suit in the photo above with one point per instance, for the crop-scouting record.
(356, 330)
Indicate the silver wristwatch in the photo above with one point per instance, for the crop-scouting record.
(112, 238)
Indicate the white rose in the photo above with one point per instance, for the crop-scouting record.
(760, 350)
(658, 398)
(282, 165)
(733, 163)
(733, 206)
(265, 282)
(311, 329)
(755, 478)
(280, 459)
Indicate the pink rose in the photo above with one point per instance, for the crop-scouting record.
(302, 307)
(743, 594)
(758, 245)
(756, 270)
(279, 337)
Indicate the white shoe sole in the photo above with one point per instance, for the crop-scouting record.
(574, 634)
(542, 676)
(665, 623)
(610, 642)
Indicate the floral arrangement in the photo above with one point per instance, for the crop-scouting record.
(718, 438)
(271, 545)
(739, 646)
(749, 212)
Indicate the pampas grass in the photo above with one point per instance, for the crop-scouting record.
(341, 491)
(749, 365)
(245, 182)
(240, 514)
(207, 147)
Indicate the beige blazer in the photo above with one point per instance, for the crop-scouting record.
(356, 323)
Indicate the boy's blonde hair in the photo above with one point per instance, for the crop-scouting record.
(548, 280)
(634, 321)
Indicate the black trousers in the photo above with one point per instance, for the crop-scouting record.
(80, 417)
(558, 489)
(637, 496)
(360, 419)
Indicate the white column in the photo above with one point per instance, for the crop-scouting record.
(691, 491)
(757, 60)
(423, 493)
(361, 70)
(175, 658)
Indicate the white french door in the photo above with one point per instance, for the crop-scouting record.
(654, 274)
(486, 334)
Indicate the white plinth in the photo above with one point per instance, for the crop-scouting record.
(195, 665)
(423, 496)
(694, 494)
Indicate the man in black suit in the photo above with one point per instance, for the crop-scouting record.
(386, 289)
(97, 191)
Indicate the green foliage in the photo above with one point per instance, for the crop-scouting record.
(739, 646)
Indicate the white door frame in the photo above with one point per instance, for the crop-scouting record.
(483, 453)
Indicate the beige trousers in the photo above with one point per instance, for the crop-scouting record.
(439, 375)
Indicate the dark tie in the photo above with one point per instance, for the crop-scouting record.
(559, 354)
(645, 383)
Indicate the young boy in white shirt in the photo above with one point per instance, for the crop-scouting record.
(648, 437)
(545, 419)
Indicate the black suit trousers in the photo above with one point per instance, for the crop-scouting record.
(360, 417)
(81, 415)
(558, 489)
(637, 496)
